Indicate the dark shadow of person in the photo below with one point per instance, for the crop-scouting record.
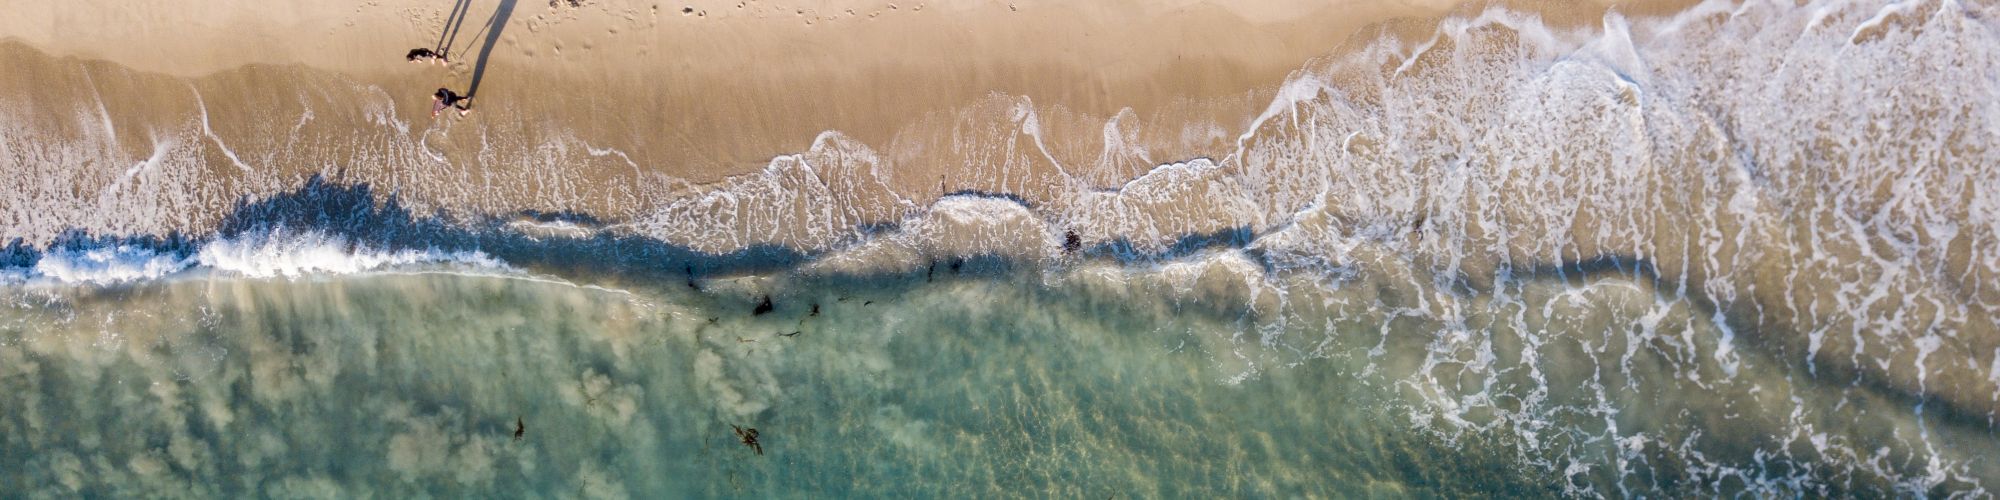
(448, 37)
(494, 27)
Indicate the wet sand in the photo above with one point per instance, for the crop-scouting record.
(701, 90)
(725, 87)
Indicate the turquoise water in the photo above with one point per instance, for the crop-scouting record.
(411, 384)
(974, 384)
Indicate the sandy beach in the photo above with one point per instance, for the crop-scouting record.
(704, 89)
(701, 90)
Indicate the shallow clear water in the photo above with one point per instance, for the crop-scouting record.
(411, 384)
(980, 382)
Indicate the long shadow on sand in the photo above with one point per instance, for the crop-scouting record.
(493, 28)
(448, 37)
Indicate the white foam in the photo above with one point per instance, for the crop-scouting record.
(1300, 88)
(107, 265)
(160, 149)
(265, 255)
(210, 132)
(1030, 124)
(1993, 372)
(288, 254)
(813, 200)
(1615, 49)
(103, 114)
(382, 111)
(1903, 8)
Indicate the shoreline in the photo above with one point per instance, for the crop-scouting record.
(703, 96)
(774, 148)
(723, 89)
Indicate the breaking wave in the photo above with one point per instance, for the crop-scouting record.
(272, 254)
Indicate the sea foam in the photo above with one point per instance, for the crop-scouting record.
(289, 254)
(272, 254)
(107, 264)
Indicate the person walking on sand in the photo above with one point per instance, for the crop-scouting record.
(424, 55)
(445, 98)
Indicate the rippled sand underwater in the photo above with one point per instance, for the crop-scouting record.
(1746, 248)
(410, 384)
(979, 381)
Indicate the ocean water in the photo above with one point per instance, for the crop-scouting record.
(1747, 248)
